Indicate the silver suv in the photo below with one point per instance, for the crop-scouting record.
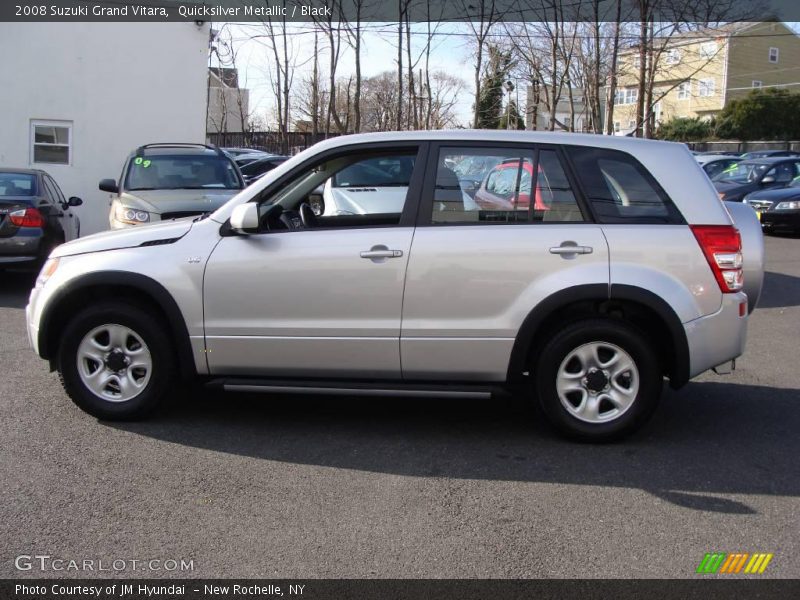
(160, 182)
(579, 271)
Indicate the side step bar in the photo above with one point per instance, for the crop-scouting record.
(353, 388)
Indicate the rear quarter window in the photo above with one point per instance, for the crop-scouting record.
(620, 189)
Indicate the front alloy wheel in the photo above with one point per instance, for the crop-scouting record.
(115, 360)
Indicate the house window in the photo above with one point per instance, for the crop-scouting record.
(617, 126)
(774, 54)
(626, 96)
(51, 142)
(708, 49)
(673, 57)
(705, 87)
(757, 83)
(684, 90)
(631, 124)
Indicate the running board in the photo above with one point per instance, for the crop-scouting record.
(354, 388)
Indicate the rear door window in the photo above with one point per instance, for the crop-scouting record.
(501, 185)
(620, 189)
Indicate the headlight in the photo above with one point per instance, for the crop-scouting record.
(792, 205)
(131, 216)
(47, 271)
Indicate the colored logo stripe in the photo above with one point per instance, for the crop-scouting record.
(721, 562)
(734, 563)
(758, 563)
(711, 562)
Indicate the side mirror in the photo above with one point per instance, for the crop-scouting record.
(108, 185)
(244, 218)
(768, 179)
(74, 201)
(317, 203)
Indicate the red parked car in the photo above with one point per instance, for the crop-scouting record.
(497, 190)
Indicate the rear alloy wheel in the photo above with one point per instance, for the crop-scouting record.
(115, 361)
(598, 380)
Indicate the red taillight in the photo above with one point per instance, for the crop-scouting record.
(27, 217)
(722, 247)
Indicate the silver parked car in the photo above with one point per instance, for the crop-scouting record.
(600, 275)
(160, 182)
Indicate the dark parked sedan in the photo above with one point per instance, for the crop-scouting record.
(769, 154)
(779, 210)
(254, 170)
(747, 176)
(713, 165)
(34, 216)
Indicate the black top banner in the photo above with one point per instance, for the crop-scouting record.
(688, 11)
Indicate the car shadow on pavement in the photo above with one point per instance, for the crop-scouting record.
(707, 440)
(15, 287)
(780, 291)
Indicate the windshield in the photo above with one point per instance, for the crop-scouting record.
(17, 184)
(376, 172)
(181, 172)
(742, 173)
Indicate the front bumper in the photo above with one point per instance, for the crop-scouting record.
(31, 323)
(788, 220)
(717, 338)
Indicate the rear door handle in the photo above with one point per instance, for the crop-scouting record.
(571, 248)
(381, 254)
(378, 252)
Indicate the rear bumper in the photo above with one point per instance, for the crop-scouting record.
(23, 246)
(780, 220)
(717, 338)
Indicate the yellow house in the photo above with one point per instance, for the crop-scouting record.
(697, 73)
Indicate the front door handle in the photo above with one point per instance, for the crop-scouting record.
(381, 253)
(571, 248)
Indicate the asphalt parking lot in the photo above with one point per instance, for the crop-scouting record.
(271, 486)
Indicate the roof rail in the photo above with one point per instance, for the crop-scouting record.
(140, 150)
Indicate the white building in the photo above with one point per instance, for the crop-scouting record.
(79, 97)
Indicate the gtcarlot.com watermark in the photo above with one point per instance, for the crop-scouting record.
(47, 563)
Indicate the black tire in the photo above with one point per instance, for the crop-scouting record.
(150, 329)
(626, 337)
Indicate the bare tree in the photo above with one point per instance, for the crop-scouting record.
(544, 51)
(488, 16)
(353, 30)
(612, 73)
(230, 97)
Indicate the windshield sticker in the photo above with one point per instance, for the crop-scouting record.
(139, 161)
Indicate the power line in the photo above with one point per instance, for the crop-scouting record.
(383, 29)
